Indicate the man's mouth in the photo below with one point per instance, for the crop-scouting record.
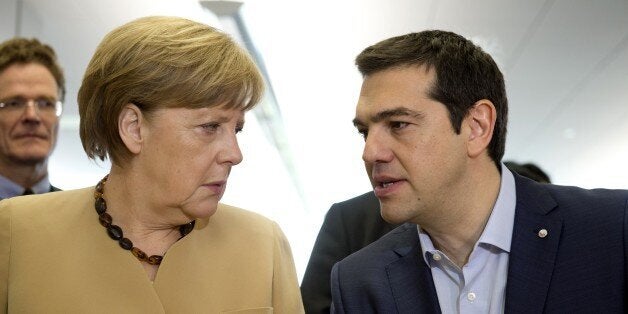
(386, 184)
(31, 135)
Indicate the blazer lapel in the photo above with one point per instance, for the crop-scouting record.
(410, 279)
(535, 240)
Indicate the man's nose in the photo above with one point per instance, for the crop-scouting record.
(31, 111)
(376, 148)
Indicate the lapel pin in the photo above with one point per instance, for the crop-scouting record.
(542, 233)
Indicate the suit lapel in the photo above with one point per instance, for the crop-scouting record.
(410, 279)
(532, 252)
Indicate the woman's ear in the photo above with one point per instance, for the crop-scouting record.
(130, 127)
(481, 121)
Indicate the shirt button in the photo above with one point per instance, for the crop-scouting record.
(436, 257)
(471, 296)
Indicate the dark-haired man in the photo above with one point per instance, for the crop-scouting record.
(31, 90)
(351, 225)
(476, 238)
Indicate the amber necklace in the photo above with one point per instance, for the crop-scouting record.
(115, 232)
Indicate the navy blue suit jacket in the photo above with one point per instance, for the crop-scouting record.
(581, 266)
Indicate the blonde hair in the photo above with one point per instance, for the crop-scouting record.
(159, 62)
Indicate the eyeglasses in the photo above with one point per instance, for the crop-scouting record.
(44, 106)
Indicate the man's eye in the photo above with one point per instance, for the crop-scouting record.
(397, 125)
(45, 103)
(15, 103)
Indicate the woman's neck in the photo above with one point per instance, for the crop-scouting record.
(139, 218)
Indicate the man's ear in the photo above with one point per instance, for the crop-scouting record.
(481, 122)
(130, 127)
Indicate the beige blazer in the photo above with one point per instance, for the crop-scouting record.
(56, 258)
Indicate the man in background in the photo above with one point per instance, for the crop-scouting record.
(351, 225)
(475, 237)
(348, 226)
(529, 170)
(32, 88)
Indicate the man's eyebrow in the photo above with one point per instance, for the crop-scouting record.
(386, 114)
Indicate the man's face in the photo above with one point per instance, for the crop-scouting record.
(27, 136)
(412, 155)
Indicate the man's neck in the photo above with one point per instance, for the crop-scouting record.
(462, 222)
(24, 175)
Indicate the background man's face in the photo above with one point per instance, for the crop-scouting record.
(27, 136)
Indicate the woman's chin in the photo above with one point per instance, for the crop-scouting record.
(204, 211)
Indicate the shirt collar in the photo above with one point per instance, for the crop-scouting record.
(9, 188)
(498, 230)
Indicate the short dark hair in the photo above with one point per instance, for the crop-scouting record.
(22, 51)
(464, 75)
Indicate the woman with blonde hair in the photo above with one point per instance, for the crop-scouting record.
(163, 98)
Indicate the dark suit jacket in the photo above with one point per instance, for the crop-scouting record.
(581, 266)
(348, 227)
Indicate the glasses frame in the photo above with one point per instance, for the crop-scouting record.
(28, 101)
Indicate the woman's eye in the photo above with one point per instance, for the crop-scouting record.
(210, 126)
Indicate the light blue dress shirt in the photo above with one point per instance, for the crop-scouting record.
(480, 286)
(9, 188)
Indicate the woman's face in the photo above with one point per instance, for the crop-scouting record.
(187, 155)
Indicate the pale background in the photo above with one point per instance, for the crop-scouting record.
(565, 63)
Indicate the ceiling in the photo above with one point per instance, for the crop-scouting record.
(565, 64)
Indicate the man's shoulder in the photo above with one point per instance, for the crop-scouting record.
(399, 242)
(361, 215)
(569, 198)
(573, 204)
(366, 202)
(581, 194)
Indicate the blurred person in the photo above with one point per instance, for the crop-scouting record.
(351, 225)
(476, 238)
(32, 88)
(528, 170)
(348, 226)
(163, 98)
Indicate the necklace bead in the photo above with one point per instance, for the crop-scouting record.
(126, 243)
(116, 233)
(105, 220)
